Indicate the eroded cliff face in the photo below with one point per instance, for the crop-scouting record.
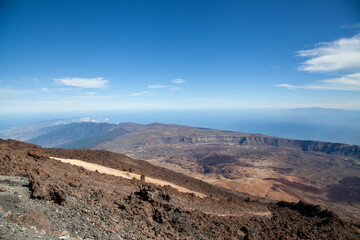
(264, 141)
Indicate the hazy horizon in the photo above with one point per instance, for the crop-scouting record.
(329, 125)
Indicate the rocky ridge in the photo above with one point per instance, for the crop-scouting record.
(259, 140)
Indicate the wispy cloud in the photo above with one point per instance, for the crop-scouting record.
(339, 55)
(169, 87)
(352, 26)
(179, 81)
(34, 79)
(209, 99)
(9, 91)
(350, 82)
(175, 89)
(274, 66)
(142, 93)
(67, 89)
(159, 86)
(91, 97)
(98, 82)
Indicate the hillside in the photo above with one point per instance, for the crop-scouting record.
(87, 135)
(275, 168)
(44, 198)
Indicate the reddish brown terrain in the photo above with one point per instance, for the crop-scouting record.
(279, 169)
(275, 168)
(44, 198)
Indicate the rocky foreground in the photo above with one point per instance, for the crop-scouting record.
(42, 198)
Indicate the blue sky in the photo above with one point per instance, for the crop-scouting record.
(122, 55)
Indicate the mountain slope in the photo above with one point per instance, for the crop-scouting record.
(33, 130)
(275, 168)
(263, 166)
(72, 133)
(52, 199)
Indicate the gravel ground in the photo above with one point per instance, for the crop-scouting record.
(24, 218)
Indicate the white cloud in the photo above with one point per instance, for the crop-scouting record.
(142, 93)
(353, 26)
(339, 55)
(274, 67)
(159, 86)
(67, 89)
(34, 79)
(90, 93)
(209, 99)
(350, 82)
(98, 82)
(175, 89)
(179, 80)
(350, 105)
(9, 91)
(91, 97)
